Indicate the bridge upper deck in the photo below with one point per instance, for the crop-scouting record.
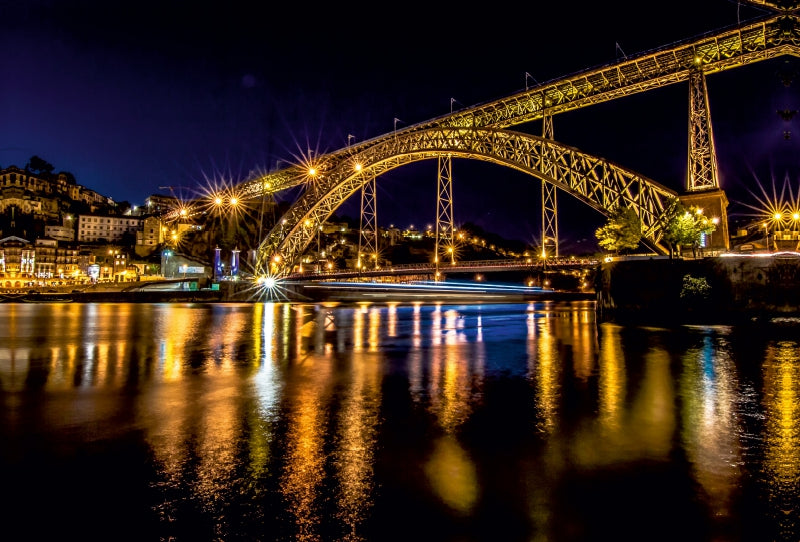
(771, 36)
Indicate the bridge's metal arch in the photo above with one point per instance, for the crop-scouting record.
(595, 181)
(771, 37)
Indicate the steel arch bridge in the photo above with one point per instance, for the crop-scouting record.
(597, 182)
(482, 132)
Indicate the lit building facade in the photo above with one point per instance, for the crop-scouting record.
(17, 262)
(93, 228)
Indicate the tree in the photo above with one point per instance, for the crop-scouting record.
(623, 231)
(684, 227)
(39, 165)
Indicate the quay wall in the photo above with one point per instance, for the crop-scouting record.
(718, 289)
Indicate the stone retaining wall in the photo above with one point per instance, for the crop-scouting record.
(726, 288)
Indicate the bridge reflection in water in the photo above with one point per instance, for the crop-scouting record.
(388, 421)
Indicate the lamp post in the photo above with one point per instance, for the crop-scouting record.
(714, 221)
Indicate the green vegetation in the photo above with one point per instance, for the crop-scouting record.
(623, 231)
(684, 227)
(695, 291)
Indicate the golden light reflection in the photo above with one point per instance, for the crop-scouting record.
(356, 439)
(583, 338)
(452, 475)
(451, 378)
(612, 381)
(268, 386)
(711, 429)
(14, 357)
(653, 415)
(544, 372)
(309, 388)
(374, 329)
(453, 387)
(231, 322)
(416, 385)
(391, 324)
(782, 433)
(217, 436)
(642, 428)
(358, 328)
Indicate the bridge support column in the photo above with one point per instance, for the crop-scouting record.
(445, 232)
(714, 204)
(368, 233)
(702, 182)
(549, 202)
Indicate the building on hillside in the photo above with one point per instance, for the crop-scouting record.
(46, 188)
(150, 235)
(45, 258)
(17, 262)
(31, 204)
(93, 228)
(61, 232)
(158, 204)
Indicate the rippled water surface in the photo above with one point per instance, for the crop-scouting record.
(518, 422)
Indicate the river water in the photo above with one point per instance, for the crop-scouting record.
(502, 422)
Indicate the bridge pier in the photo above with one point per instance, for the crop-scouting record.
(714, 204)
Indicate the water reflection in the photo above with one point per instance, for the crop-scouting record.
(321, 422)
(711, 426)
(782, 435)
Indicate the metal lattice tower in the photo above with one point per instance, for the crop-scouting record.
(444, 207)
(368, 236)
(702, 159)
(549, 202)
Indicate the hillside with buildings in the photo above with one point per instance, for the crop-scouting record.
(55, 232)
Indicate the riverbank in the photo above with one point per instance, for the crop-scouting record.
(725, 289)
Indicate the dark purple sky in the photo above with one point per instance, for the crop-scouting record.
(133, 96)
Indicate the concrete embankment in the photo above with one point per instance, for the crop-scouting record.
(720, 289)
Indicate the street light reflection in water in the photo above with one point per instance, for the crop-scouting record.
(394, 421)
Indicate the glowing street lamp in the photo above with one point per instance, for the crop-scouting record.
(715, 221)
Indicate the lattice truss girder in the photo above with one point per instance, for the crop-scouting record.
(775, 36)
(595, 181)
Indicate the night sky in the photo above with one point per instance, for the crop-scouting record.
(130, 97)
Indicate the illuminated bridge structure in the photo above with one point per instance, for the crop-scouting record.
(432, 269)
(485, 132)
